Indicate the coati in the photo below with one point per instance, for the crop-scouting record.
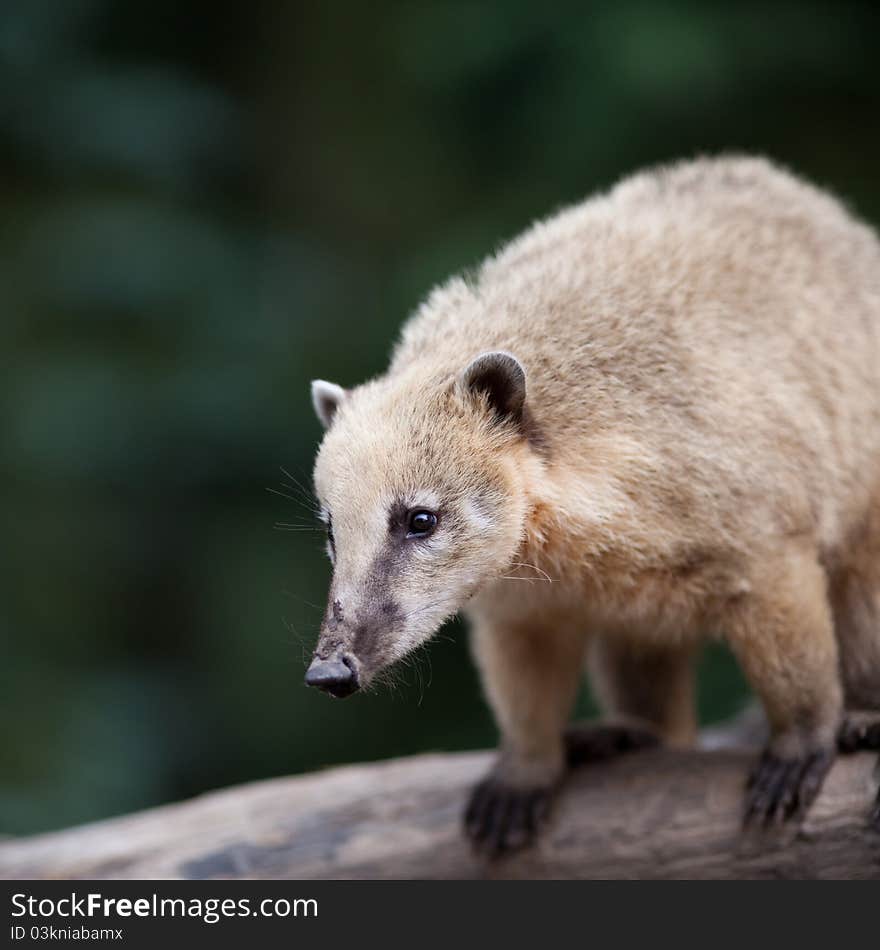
(651, 419)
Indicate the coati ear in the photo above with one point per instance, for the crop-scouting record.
(326, 398)
(502, 379)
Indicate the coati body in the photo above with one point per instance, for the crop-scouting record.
(652, 419)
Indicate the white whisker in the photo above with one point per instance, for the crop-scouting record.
(534, 567)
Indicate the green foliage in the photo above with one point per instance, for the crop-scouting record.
(205, 205)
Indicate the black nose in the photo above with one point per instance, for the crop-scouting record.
(335, 677)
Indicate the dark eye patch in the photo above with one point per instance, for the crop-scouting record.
(330, 539)
(407, 523)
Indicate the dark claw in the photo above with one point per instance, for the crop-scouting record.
(874, 816)
(474, 817)
(855, 736)
(781, 789)
(501, 818)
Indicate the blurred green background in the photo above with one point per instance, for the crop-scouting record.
(206, 204)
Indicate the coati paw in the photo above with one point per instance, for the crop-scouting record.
(502, 818)
(856, 734)
(782, 788)
(598, 742)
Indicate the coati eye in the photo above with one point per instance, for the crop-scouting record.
(420, 523)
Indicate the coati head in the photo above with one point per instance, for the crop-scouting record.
(421, 486)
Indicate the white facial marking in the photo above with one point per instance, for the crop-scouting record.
(476, 516)
(423, 498)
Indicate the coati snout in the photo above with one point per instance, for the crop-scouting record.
(336, 676)
(353, 646)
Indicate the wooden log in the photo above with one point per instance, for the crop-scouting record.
(656, 813)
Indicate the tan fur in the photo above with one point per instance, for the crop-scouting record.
(701, 456)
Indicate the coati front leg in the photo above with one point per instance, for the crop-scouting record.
(855, 601)
(530, 672)
(783, 637)
(647, 686)
(862, 733)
